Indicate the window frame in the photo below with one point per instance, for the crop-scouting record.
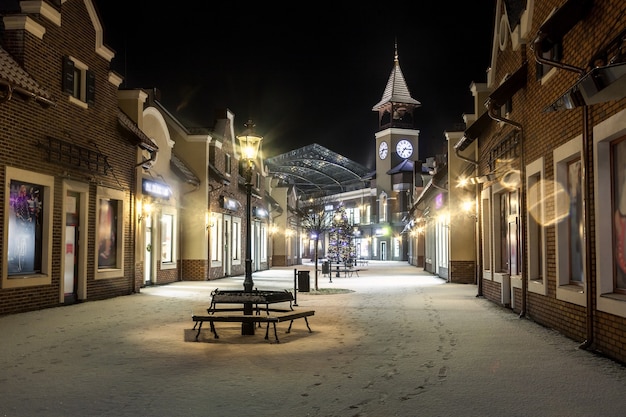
(44, 277)
(236, 252)
(604, 134)
(104, 193)
(536, 243)
(486, 233)
(172, 212)
(216, 238)
(78, 82)
(565, 291)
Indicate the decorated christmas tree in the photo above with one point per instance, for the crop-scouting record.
(341, 234)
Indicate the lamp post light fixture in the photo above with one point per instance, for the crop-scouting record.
(249, 146)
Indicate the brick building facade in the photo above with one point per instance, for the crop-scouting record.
(68, 173)
(549, 139)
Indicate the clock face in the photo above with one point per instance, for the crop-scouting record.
(383, 148)
(404, 148)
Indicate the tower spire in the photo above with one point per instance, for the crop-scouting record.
(395, 54)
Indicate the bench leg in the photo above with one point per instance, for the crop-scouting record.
(275, 333)
(307, 325)
(214, 331)
(199, 328)
(267, 330)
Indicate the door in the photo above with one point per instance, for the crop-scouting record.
(147, 265)
(70, 274)
(383, 250)
(228, 246)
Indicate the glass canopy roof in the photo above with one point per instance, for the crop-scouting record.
(316, 171)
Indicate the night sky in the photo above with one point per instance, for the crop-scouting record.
(304, 75)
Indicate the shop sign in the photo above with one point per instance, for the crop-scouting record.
(155, 189)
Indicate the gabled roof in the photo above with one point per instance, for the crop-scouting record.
(15, 79)
(315, 170)
(396, 90)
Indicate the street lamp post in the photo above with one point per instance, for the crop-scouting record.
(249, 146)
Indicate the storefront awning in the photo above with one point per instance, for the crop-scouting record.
(183, 171)
(473, 131)
(140, 138)
(508, 88)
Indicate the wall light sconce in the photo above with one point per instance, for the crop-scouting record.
(469, 208)
(209, 220)
(144, 211)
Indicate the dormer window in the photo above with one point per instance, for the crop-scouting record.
(79, 82)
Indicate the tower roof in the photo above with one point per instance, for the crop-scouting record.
(396, 90)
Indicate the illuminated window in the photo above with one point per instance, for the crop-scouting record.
(216, 239)
(28, 221)
(109, 233)
(536, 246)
(568, 216)
(167, 238)
(236, 240)
(609, 155)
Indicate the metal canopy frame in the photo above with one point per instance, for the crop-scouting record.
(317, 171)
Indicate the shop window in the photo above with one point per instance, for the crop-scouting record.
(486, 229)
(568, 217)
(263, 242)
(28, 213)
(236, 241)
(535, 202)
(610, 220)
(168, 238)
(216, 240)
(109, 233)
(79, 82)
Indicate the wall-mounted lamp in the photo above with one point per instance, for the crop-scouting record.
(469, 208)
(209, 220)
(144, 211)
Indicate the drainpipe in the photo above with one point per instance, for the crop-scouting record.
(587, 192)
(479, 246)
(13, 88)
(493, 113)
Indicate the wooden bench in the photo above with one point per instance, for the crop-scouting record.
(254, 297)
(275, 317)
(347, 272)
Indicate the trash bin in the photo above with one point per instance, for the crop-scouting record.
(304, 281)
(325, 268)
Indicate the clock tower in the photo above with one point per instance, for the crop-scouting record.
(396, 140)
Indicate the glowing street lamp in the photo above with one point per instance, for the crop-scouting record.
(249, 146)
